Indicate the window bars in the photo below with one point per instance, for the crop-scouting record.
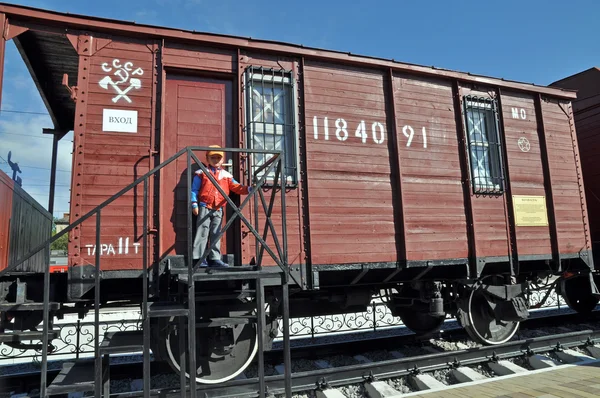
(270, 118)
(481, 120)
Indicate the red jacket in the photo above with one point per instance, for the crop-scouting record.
(206, 194)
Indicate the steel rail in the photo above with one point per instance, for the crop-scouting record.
(351, 347)
(345, 375)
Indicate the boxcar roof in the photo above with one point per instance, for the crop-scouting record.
(48, 55)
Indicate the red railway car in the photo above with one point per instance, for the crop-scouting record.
(448, 191)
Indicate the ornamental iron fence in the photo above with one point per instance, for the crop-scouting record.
(76, 336)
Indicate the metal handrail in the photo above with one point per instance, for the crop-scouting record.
(97, 211)
(118, 195)
(264, 166)
(237, 210)
(277, 159)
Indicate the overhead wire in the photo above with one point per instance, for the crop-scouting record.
(46, 185)
(23, 112)
(33, 136)
(44, 168)
(28, 135)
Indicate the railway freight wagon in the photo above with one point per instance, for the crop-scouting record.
(446, 192)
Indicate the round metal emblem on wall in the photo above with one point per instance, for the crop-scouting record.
(524, 144)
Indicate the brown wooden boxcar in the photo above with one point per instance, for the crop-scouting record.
(383, 173)
(416, 180)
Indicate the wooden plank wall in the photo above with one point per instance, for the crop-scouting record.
(6, 194)
(108, 160)
(432, 194)
(349, 176)
(567, 200)
(30, 225)
(525, 164)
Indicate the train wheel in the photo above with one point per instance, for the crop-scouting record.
(222, 353)
(420, 322)
(578, 294)
(476, 315)
(415, 317)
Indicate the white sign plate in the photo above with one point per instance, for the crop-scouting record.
(120, 121)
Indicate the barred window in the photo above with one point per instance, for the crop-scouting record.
(270, 121)
(481, 119)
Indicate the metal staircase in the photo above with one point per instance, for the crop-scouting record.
(83, 376)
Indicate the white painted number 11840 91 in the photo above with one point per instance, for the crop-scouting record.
(339, 129)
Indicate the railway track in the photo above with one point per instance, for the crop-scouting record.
(417, 370)
(355, 363)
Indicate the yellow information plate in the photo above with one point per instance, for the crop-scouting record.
(530, 211)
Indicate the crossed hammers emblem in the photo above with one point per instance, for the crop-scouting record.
(121, 71)
(133, 83)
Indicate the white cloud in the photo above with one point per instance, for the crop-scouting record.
(32, 151)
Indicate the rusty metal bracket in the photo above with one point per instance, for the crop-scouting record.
(73, 90)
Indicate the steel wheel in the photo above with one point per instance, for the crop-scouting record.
(420, 322)
(416, 317)
(476, 315)
(578, 294)
(217, 360)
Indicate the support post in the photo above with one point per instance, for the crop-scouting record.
(56, 136)
(541, 130)
(53, 175)
(191, 285)
(511, 225)
(98, 358)
(145, 317)
(45, 327)
(394, 148)
(287, 357)
(462, 140)
(260, 329)
(2, 52)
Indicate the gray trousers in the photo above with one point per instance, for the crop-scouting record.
(208, 226)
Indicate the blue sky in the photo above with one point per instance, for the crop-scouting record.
(530, 41)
